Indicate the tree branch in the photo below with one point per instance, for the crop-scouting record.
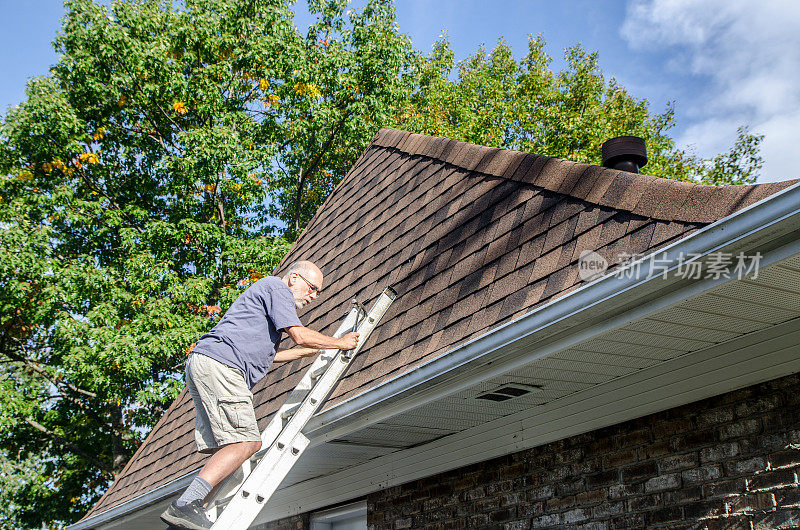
(111, 201)
(313, 167)
(66, 443)
(41, 371)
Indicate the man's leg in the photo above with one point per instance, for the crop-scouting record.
(224, 462)
(224, 418)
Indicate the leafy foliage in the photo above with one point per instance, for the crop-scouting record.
(345, 87)
(135, 207)
(495, 100)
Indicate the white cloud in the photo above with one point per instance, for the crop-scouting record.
(743, 56)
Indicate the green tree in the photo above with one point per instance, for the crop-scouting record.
(138, 180)
(493, 99)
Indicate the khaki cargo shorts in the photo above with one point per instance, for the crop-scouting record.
(223, 403)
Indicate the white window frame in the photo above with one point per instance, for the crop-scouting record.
(322, 520)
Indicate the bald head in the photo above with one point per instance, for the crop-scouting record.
(305, 280)
(306, 268)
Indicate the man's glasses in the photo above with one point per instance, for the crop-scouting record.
(314, 288)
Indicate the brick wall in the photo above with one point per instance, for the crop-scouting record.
(731, 461)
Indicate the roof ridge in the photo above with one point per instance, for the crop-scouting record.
(646, 195)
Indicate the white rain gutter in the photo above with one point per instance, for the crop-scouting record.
(502, 349)
(151, 497)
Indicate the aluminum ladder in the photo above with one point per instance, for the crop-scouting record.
(247, 490)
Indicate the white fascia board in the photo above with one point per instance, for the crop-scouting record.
(603, 304)
(151, 497)
(600, 305)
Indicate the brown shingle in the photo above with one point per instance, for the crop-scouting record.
(626, 189)
(656, 195)
(488, 158)
(505, 163)
(605, 178)
(552, 174)
(535, 169)
(524, 166)
(572, 178)
(586, 181)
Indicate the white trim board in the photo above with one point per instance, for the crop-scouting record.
(754, 358)
(326, 519)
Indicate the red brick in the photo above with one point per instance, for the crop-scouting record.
(724, 488)
(750, 502)
(591, 497)
(621, 491)
(671, 428)
(749, 466)
(694, 493)
(578, 515)
(703, 509)
(541, 493)
(772, 479)
(715, 417)
(546, 521)
(559, 503)
(663, 515)
(701, 474)
(663, 482)
(789, 457)
(722, 451)
(645, 502)
(779, 519)
(693, 440)
(656, 449)
(634, 438)
(741, 429)
(619, 458)
(680, 461)
(522, 524)
(635, 520)
(603, 478)
(639, 471)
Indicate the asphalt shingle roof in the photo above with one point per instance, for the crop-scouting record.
(470, 237)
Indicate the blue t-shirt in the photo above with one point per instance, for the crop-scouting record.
(248, 335)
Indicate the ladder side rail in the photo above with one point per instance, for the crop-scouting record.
(267, 475)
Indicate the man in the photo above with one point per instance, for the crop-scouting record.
(226, 364)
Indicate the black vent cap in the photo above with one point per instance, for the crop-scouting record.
(509, 391)
(626, 153)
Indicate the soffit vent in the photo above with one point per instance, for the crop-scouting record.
(509, 391)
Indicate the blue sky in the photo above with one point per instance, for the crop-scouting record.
(725, 63)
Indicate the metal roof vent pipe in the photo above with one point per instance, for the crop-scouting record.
(626, 153)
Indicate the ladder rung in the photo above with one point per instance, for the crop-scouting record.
(288, 413)
(316, 374)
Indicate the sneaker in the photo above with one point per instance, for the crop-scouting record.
(191, 516)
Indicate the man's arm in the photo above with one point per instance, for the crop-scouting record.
(285, 356)
(303, 336)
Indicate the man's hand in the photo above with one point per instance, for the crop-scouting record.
(349, 341)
